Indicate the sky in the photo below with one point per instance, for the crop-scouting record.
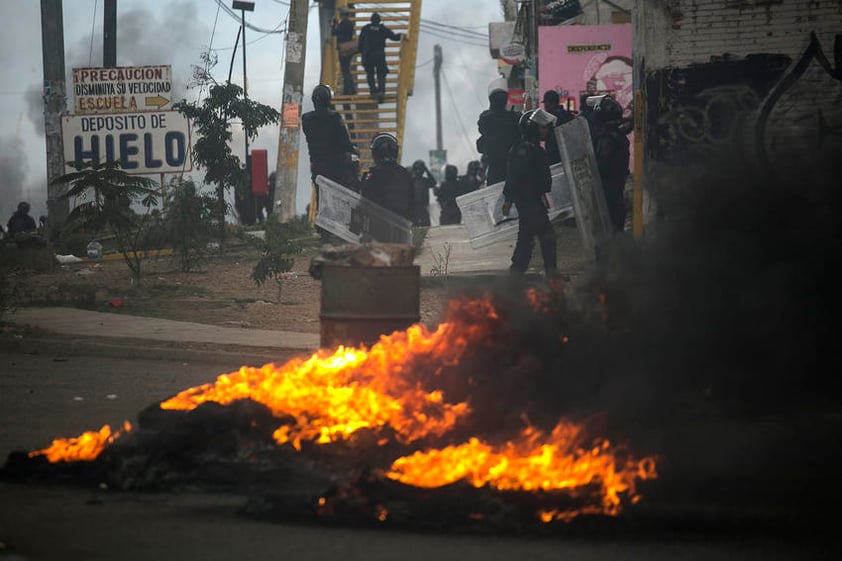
(176, 32)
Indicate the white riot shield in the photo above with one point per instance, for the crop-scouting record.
(349, 215)
(482, 210)
(579, 161)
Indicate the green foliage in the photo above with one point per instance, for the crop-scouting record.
(108, 194)
(211, 120)
(187, 223)
(281, 243)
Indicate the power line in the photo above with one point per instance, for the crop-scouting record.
(471, 148)
(451, 33)
(460, 29)
(238, 19)
(444, 36)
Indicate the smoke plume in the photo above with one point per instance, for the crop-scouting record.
(12, 176)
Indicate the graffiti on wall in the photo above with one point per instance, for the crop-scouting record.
(775, 107)
(698, 108)
(802, 115)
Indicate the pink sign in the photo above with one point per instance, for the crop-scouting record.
(582, 60)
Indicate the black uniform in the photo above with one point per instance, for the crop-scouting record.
(329, 147)
(498, 131)
(344, 31)
(527, 181)
(20, 222)
(562, 116)
(373, 49)
(611, 147)
(390, 186)
(421, 186)
(446, 196)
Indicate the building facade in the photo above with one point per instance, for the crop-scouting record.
(760, 75)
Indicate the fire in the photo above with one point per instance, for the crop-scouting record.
(391, 390)
(331, 396)
(534, 462)
(84, 447)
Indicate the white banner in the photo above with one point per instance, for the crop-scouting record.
(143, 143)
(482, 213)
(349, 215)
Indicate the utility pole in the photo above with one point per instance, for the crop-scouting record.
(438, 157)
(532, 60)
(55, 100)
(109, 33)
(437, 60)
(246, 210)
(286, 176)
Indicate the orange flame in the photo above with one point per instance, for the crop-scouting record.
(534, 462)
(331, 396)
(85, 447)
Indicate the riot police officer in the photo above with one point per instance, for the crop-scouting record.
(611, 148)
(528, 181)
(422, 182)
(498, 129)
(388, 183)
(562, 115)
(332, 154)
(372, 44)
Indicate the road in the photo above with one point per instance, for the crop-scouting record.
(43, 396)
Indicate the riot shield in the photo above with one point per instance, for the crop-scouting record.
(482, 213)
(349, 215)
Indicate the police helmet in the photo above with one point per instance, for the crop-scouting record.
(322, 95)
(418, 166)
(375, 18)
(607, 109)
(384, 148)
(531, 122)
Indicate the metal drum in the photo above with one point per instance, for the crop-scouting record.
(359, 304)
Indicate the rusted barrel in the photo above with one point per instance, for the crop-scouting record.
(359, 304)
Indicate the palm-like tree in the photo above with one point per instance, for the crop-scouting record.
(108, 193)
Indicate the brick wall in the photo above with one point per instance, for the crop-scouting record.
(761, 72)
(693, 31)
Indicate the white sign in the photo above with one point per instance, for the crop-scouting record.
(116, 89)
(142, 143)
(513, 52)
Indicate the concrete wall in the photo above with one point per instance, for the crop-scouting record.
(762, 72)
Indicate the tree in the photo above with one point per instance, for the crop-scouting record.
(187, 221)
(108, 193)
(278, 248)
(211, 121)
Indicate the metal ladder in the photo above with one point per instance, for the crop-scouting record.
(365, 116)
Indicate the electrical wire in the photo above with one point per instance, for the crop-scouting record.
(237, 18)
(471, 148)
(452, 39)
(93, 23)
(452, 34)
(457, 28)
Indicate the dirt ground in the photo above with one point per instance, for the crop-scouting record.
(219, 292)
